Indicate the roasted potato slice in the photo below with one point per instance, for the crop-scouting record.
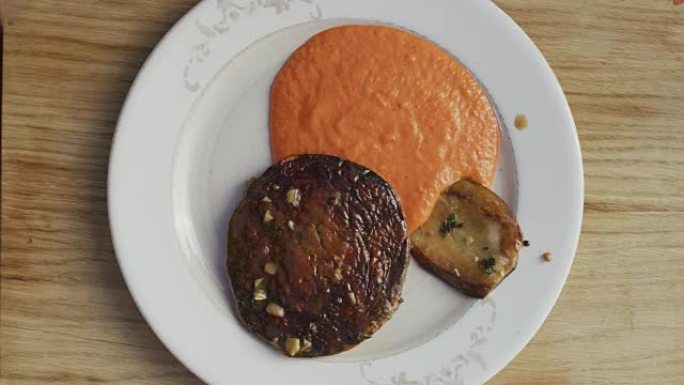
(471, 239)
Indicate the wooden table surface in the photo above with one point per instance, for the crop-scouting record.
(67, 317)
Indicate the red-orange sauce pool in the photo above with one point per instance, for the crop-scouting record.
(391, 101)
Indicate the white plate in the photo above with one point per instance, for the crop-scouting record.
(194, 129)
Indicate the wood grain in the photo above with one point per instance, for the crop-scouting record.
(66, 316)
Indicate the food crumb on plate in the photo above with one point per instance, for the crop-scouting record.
(521, 122)
(548, 257)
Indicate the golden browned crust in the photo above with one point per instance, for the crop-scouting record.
(317, 255)
(463, 269)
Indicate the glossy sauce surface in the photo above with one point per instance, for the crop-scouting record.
(391, 101)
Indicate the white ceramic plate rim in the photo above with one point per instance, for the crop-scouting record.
(550, 206)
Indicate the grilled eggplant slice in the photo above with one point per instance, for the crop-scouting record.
(471, 239)
(317, 255)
